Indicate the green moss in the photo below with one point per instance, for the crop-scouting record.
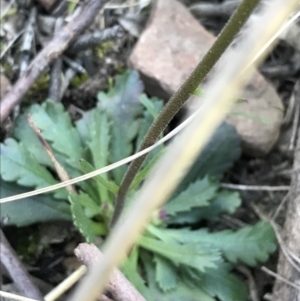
(72, 5)
(79, 79)
(39, 89)
(104, 48)
(120, 69)
(42, 82)
(27, 243)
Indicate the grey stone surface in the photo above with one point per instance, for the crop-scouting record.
(170, 48)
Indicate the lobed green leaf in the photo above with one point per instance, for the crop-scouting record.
(28, 211)
(88, 228)
(56, 127)
(191, 255)
(222, 284)
(166, 273)
(223, 149)
(19, 165)
(197, 194)
(181, 292)
(224, 202)
(249, 244)
(130, 268)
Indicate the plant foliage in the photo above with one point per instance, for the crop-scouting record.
(176, 258)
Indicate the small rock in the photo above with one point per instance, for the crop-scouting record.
(4, 85)
(171, 46)
(258, 117)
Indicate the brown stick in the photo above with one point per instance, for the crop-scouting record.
(61, 172)
(54, 49)
(56, 70)
(17, 271)
(291, 232)
(119, 287)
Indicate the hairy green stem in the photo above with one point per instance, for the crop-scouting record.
(225, 38)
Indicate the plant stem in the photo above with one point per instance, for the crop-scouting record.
(225, 38)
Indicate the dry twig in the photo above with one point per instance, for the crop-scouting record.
(291, 239)
(66, 284)
(17, 271)
(254, 187)
(279, 208)
(207, 9)
(296, 93)
(53, 50)
(76, 66)
(11, 296)
(55, 91)
(28, 40)
(93, 39)
(251, 282)
(282, 280)
(119, 287)
(61, 172)
(9, 45)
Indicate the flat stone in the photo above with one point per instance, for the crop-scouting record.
(258, 117)
(168, 50)
(170, 47)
